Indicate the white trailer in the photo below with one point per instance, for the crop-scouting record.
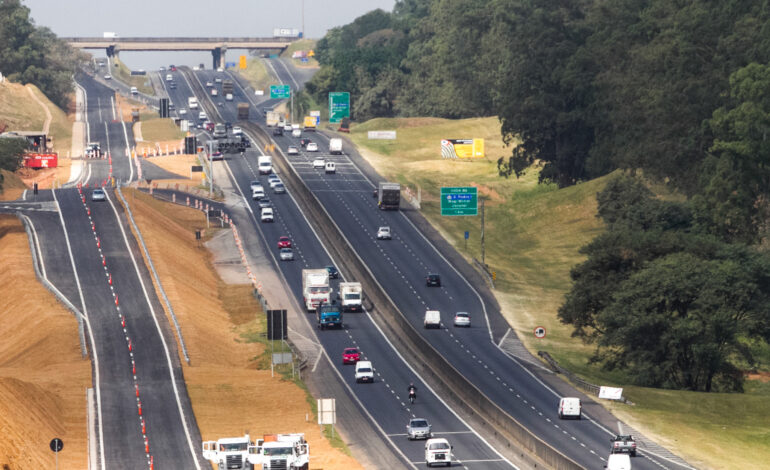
(315, 288)
(335, 146)
(351, 296)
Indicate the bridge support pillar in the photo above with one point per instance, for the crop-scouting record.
(218, 54)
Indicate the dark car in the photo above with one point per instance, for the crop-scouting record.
(433, 280)
(333, 273)
(228, 125)
(172, 68)
(304, 142)
(277, 130)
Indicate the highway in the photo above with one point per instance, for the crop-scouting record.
(400, 266)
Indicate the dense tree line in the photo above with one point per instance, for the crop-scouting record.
(675, 90)
(33, 54)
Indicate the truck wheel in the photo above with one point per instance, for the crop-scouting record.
(633, 454)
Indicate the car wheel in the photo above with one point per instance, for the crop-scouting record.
(633, 454)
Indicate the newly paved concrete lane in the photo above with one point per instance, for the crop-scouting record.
(172, 438)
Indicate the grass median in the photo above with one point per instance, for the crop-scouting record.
(533, 235)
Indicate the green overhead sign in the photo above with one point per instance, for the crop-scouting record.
(339, 106)
(280, 91)
(459, 201)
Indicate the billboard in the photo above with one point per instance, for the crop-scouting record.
(462, 148)
(381, 135)
(41, 160)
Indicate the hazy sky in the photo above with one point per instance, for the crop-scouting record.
(194, 18)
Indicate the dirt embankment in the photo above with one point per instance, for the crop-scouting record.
(230, 395)
(43, 377)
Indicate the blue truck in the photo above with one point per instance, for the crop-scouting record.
(329, 315)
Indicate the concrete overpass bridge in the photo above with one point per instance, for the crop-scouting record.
(217, 46)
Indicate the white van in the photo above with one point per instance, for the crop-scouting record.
(432, 319)
(134, 90)
(618, 462)
(438, 450)
(364, 372)
(331, 167)
(169, 77)
(265, 164)
(570, 407)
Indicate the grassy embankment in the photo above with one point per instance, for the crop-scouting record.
(256, 72)
(533, 234)
(301, 45)
(229, 379)
(20, 112)
(43, 377)
(120, 71)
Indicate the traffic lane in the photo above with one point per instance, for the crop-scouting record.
(53, 251)
(123, 443)
(359, 330)
(474, 358)
(165, 426)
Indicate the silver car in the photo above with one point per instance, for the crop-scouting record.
(462, 319)
(383, 233)
(279, 188)
(98, 195)
(286, 254)
(418, 428)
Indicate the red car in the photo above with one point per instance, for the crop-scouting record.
(284, 242)
(350, 356)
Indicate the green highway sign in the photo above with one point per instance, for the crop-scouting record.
(339, 106)
(280, 91)
(459, 201)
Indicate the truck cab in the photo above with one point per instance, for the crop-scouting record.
(350, 296)
(281, 451)
(230, 453)
(329, 316)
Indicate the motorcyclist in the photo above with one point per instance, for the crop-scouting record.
(412, 390)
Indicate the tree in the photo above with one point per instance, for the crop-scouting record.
(11, 153)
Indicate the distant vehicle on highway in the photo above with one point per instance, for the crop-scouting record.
(286, 254)
(312, 147)
(330, 168)
(333, 272)
(570, 407)
(383, 233)
(98, 194)
(319, 163)
(209, 84)
(623, 443)
(364, 372)
(292, 150)
(172, 68)
(303, 142)
(169, 77)
(172, 86)
(284, 242)
(277, 130)
(264, 202)
(418, 428)
(237, 130)
(266, 215)
(618, 462)
(296, 133)
(279, 188)
(438, 451)
(108, 77)
(433, 280)
(462, 319)
(350, 355)
(134, 90)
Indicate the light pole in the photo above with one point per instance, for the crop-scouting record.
(303, 18)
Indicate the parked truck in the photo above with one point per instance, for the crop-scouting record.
(350, 296)
(243, 111)
(281, 451)
(272, 118)
(328, 316)
(388, 195)
(229, 453)
(315, 288)
(335, 146)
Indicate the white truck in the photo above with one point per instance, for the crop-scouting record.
(281, 451)
(265, 164)
(350, 296)
(315, 288)
(229, 97)
(192, 102)
(272, 118)
(229, 453)
(335, 146)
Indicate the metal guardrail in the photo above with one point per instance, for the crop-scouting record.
(178, 39)
(587, 386)
(485, 271)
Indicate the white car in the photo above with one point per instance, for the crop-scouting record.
(266, 215)
(286, 254)
(462, 319)
(279, 188)
(383, 233)
(237, 130)
(108, 77)
(98, 195)
(218, 80)
(312, 147)
(256, 185)
(182, 111)
(292, 150)
(296, 133)
(364, 372)
(220, 69)
(438, 450)
(202, 116)
(214, 92)
(331, 167)
(209, 84)
(319, 163)
(275, 182)
(287, 128)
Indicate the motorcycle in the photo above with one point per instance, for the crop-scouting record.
(412, 396)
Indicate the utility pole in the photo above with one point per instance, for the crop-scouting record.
(291, 95)
(483, 261)
(303, 18)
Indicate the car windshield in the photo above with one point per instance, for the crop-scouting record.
(233, 447)
(351, 351)
(462, 314)
(277, 451)
(439, 446)
(364, 369)
(285, 250)
(419, 423)
(319, 290)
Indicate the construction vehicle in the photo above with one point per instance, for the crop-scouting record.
(281, 451)
(229, 453)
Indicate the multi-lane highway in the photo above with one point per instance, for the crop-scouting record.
(400, 266)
